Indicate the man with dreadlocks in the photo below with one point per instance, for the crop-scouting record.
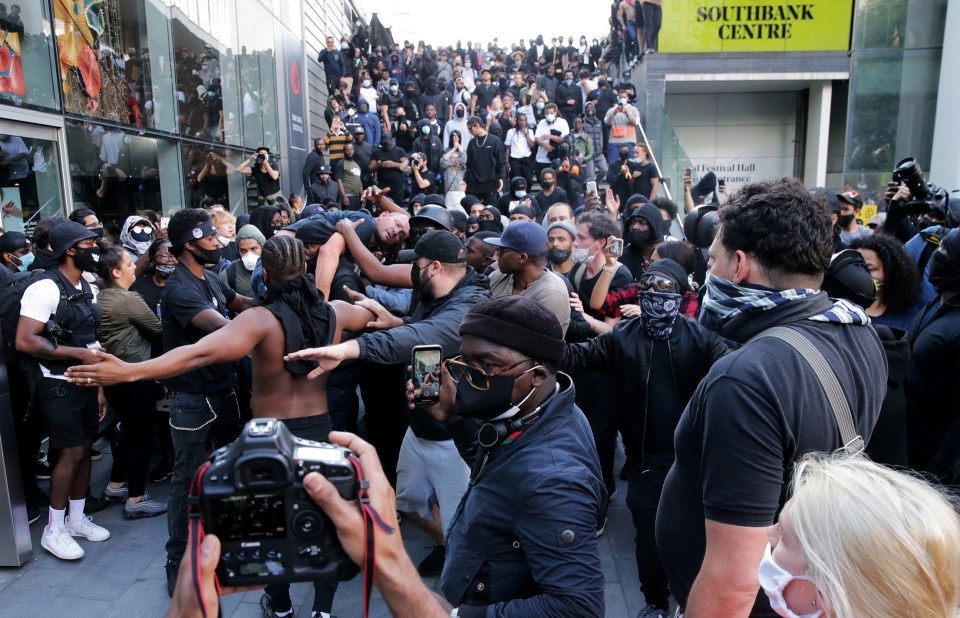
(289, 316)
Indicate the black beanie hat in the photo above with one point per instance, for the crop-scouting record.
(670, 269)
(517, 323)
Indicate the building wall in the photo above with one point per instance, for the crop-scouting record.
(743, 136)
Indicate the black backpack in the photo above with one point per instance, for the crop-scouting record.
(11, 291)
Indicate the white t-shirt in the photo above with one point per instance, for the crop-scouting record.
(519, 149)
(544, 128)
(370, 96)
(39, 302)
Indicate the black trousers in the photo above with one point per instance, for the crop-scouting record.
(384, 412)
(522, 166)
(135, 404)
(597, 398)
(643, 497)
(652, 20)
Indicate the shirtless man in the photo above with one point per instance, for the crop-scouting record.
(290, 317)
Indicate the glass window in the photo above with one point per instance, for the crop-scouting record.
(899, 24)
(893, 95)
(118, 173)
(211, 177)
(30, 180)
(27, 74)
(209, 104)
(115, 61)
(257, 78)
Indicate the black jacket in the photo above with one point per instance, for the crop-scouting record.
(436, 322)
(888, 445)
(933, 391)
(523, 541)
(627, 351)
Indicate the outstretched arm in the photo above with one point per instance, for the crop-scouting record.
(227, 344)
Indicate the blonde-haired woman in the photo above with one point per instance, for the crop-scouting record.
(226, 225)
(859, 540)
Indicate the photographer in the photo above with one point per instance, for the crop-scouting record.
(422, 177)
(267, 178)
(395, 576)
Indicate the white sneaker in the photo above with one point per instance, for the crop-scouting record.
(87, 529)
(59, 543)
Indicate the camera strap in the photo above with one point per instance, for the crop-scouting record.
(370, 517)
(195, 524)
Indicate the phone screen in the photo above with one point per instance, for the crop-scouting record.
(426, 373)
(616, 247)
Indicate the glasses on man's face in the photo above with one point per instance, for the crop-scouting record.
(476, 377)
(658, 282)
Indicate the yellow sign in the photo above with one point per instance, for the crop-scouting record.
(712, 26)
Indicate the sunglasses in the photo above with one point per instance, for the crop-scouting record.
(140, 229)
(658, 283)
(476, 377)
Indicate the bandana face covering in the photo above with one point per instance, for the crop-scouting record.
(658, 313)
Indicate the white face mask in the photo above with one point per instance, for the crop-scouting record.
(250, 260)
(551, 117)
(774, 579)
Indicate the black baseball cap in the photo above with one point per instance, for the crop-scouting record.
(439, 245)
(13, 241)
(66, 235)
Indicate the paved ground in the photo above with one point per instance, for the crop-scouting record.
(124, 575)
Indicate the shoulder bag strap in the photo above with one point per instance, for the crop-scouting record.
(852, 441)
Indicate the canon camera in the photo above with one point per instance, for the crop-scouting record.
(270, 531)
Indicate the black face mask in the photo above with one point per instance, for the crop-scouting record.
(208, 257)
(163, 270)
(944, 274)
(624, 156)
(845, 220)
(487, 225)
(460, 113)
(419, 286)
(641, 239)
(86, 259)
(925, 222)
(546, 184)
(384, 145)
(276, 229)
(558, 256)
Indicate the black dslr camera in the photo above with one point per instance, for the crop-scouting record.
(270, 531)
(261, 157)
(908, 172)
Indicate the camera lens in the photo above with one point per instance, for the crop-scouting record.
(307, 524)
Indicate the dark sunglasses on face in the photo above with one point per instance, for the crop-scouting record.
(659, 283)
(476, 377)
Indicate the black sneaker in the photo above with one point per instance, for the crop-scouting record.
(161, 473)
(266, 606)
(43, 470)
(34, 513)
(172, 569)
(432, 565)
(94, 504)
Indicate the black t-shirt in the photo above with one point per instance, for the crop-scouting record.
(184, 297)
(384, 175)
(151, 292)
(621, 279)
(265, 184)
(642, 178)
(485, 95)
(545, 201)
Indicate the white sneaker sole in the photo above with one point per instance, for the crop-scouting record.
(46, 546)
(84, 536)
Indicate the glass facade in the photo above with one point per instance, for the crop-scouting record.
(893, 87)
(159, 101)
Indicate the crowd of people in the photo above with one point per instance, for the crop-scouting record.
(734, 342)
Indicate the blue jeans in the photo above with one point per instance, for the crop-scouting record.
(632, 49)
(194, 420)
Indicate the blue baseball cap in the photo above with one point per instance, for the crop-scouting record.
(524, 236)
